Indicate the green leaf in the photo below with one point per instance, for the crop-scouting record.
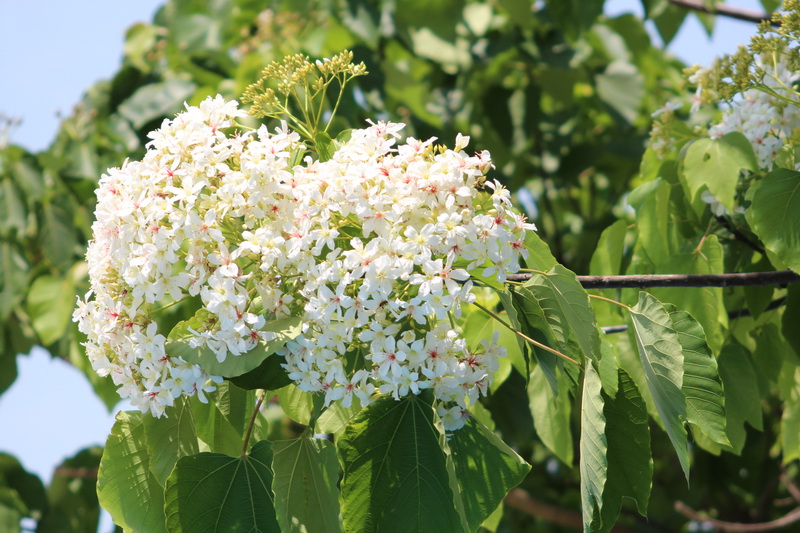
(50, 302)
(791, 317)
(551, 414)
(621, 87)
(219, 422)
(607, 257)
(212, 492)
(547, 330)
(486, 469)
(662, 358)
(705, 304)
(57, 236)
(574, 17)
(395, 472)
(323, 145)
(12, 510)
(27, 488)
(170, 437)
(269, 375)
(335, 417)
(13, 278)
(156, 100)
(653, 223)
(306, 473)
(566, 306)
(539, 255)
(702, 388)
(297, 404)
(178, 345)
(12, 207)
(593, 449)
(774, 215)
(744, 405)
(715, 164)
(630, 463)
(126, 487)
(72, 500)
(790, 418)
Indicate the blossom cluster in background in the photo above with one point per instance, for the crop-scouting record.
(372, 249)
(766, 120)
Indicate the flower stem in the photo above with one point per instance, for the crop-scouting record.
(252, 423)
(523, 336)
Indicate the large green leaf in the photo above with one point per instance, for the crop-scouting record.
(156, 100)
(212, 492)
(306, 472)
(744, 405)
(702, 388)
(621, 87)
(662, 358)
(774, 215)
(126, 487)
(269, 375)
(716, 163)
(51, 301)
(551, 414)
(565, 302)
(57, 236)
(12, 207)
(170, 437)
(178, 345)
(486, 469)
(653, 224)
(395, 472)
(705, 304)
(13, 276)
(219, 423)
(539, 255)
(630, 463)
(593, 448)
(790, 418)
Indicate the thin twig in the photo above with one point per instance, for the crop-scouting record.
(774, 304)
(721, 525)
(741, 237)
(745, 279)
(523, 336)
(726, 11)
(252, 423)
(790, 486)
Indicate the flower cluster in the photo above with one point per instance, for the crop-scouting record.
(763, 116)
(373, 249)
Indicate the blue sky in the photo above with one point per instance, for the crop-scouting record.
(50, 52)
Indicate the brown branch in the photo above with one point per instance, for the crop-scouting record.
(790, 486)
(87, 473)
(726, 11)
(739, 313)
(521, 500)
(688, 512)
(738, 235)
(782, 277)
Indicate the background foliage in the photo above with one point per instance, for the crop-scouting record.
(562, 98)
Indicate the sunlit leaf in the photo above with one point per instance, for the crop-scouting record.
(126, 487)
(662, 358)
(395, 473)
(306, 472)
(212, 492)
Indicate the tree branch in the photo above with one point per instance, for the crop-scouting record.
(688, 512)
(521, 500)
(726, 11)
(782, 277)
